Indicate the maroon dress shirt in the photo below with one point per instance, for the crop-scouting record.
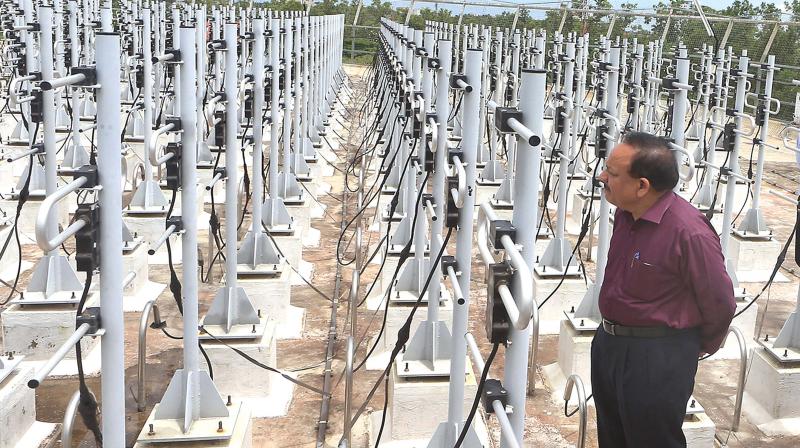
(667, 269)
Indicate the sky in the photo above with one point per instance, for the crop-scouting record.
(643, 4)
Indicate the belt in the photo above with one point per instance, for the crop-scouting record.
(615, 329)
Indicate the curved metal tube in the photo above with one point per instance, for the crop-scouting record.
(523, 308)
(787, 142)
(458, 195)
(69, 419)
(12, 88)
(43, 216)
(141, 403)
(485, 214)
(534, 349)
(151, 145)
(575, 380)
(690, 175)
(737, 410)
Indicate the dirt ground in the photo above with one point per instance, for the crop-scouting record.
(546, 423)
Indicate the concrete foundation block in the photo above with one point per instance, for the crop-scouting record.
(230, 367)
(291, 246)
(485, 194)
(753, 259)
(37, 331)
(569, 294)
(574, 356)
(18, 411)
(699, 431)
(272, 295)
(408, 396)
(580, 203)
(772, 388)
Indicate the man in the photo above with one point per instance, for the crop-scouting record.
(666, 299)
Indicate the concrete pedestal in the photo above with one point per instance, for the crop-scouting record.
(242, 436)
(753, 259)
(485, 193)
(407, 396)
(272, 295)
(141, 289)
(37, 331)
(304, 214)
(18, 411)
(291, 246)
(770, 395)
(574, 356)
(699, 431)
(580, 202)
(230, 367)
(569, 294)
(150, 228)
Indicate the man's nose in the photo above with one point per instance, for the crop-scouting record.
(603, 177)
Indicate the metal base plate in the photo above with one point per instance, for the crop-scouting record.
(38, 298)
(501, 205)
(394, 218)
(294, 200)
(266, 270)
(488, 183)
(130, 246)
(170, 430)
(406, 297)
(422, 369)
(693, 406)
(281, 229)
(763, 235)
(544, 271)
(581, 323)
(787, 355)
(132, 139)
(304, 177)
(151, 211)
(388, 190)
(254, 331)
(585, 195)
(396, 249)
(8, 366)
(310, 159)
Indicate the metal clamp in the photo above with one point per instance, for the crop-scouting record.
(520, 312)
(43, 217)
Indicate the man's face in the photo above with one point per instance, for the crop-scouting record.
(620, 188)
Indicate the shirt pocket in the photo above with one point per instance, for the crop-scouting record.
(647, 281)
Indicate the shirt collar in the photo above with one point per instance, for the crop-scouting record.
(657, 210)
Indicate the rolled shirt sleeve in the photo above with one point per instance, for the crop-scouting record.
(706, 276)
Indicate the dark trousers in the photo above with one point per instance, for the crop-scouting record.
(641, 387)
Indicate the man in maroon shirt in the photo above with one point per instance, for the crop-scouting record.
(665, 300)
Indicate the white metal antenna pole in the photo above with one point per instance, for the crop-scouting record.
(680, 105)
(186, 95)
(753, 221)
(110, 240)
(147, 91)
(78, 155)
(48, 115)
(231, 158)
(177, 42)
(274, 57)
(258, 125)
(455, 405)
(298, 161)
(416, 185)
(440, 160)
(576, 163)
(730, 190)
(532, 95)
(288, 106)
(604, 236)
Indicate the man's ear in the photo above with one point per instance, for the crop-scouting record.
(644, 187)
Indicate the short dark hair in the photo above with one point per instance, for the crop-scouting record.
(653, 160)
